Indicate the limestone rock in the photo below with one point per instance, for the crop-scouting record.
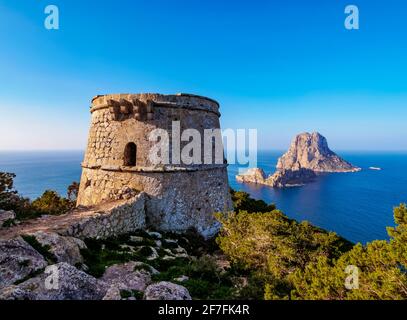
(127, 193)
(6, 216)
(154, 254)
(155, 234)
(182, 278)
(127, 277)
(18, 260)
(146, 267)
(136, 239)
(222, 262)
(15, 293)
(311, 151)
(290, 178)
(113, 293)
(65, 249)
(71, 284)
(253, 175)
(166, 291)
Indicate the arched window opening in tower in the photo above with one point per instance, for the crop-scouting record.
(130, 154)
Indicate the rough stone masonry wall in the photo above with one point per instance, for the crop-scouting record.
(108, 135)
(175, 201)
(124, 218)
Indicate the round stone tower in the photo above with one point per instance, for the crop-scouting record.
(118, 163)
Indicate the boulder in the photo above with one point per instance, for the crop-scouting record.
(127, 276)
(253, 175)
(6, 216)
(166, 291)
(61, 282)
(146, 267)
(65, 249)
(18, 260)
(15, 293)
(113, 293)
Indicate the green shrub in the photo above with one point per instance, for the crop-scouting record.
(101, 254)
(9, 223)
(144, 242)
(243, 202)
(164, 265)
(10, 200)
(271, 241)
(7, 192)
(193, 242)
(206, 280)
(291, 260)
(51, 203)
(142, 267)
(169, 245)
(203, 289)
(43, 250)
(73, 190)
(125, 294)
(381, 267)
(29, 276)
(266, 247)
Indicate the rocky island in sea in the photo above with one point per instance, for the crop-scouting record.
(307, 156)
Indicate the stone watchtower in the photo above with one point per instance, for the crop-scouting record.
(117, 160)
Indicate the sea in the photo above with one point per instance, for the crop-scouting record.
(358, 206)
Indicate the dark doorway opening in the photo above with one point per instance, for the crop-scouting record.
(130, 154)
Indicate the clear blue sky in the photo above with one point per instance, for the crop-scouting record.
(282, 67)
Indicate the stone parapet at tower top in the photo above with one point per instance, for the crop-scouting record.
(117, 160)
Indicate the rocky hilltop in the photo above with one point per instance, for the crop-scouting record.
(280, 179)
(307, 156)
(253, 175)
(104, 252)
(290, 178)
(311, 151)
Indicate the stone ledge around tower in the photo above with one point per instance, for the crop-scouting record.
(126, 103)
(164, 168)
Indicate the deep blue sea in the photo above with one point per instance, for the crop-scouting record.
(358, 206)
